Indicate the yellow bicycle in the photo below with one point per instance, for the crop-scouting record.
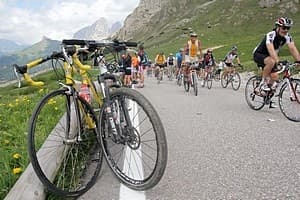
(67, 136)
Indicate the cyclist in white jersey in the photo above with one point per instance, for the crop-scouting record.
(266, 53)
(228, 60)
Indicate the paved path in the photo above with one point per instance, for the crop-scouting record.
(218, 148)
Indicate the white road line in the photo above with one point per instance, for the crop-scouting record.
(134, 162)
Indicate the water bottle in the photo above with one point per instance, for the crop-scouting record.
(85, 93)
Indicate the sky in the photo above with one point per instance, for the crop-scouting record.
(27, 21)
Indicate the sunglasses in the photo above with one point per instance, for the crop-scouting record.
(285, 27)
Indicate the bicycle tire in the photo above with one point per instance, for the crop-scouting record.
(195, 84)
(179, 80)
(52, 120)
(186, 85)
(209, 81)
(217, 77)
(236, 81)
(146, 175)
(289, 103)
(254, 100)
(224, 80)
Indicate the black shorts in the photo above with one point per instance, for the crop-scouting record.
(228, 64)
(160, 65)
(128, 71)
(259, 59)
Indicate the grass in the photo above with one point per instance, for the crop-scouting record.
(15, 108)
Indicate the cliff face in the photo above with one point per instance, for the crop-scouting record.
(155, 17)
(149, 13)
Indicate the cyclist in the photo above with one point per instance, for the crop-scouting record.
(228, 60)
(208, 63)
(266, 53)
(143, 64)
(160, 63)
(171, 64)
(192, 51)
(135, 66)
(178, 61)
(126, 63)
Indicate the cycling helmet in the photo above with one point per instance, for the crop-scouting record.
(234, 48)
(193, 35)
(209, 50)
(170, 54)
(181, 50)
(284, 21)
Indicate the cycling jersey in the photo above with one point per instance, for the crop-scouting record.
(277, 40)
(193, 48)
(229, 58)
(208, 60)
(171, 60)
(160, 59)
(178, 59)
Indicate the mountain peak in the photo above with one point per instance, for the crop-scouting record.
(100, 29)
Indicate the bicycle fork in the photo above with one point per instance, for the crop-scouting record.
(292, 90)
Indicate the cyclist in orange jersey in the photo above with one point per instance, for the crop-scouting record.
(192, 52)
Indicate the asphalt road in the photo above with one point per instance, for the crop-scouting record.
(218, 148)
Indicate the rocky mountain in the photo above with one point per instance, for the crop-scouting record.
(8, 46)
(153, 18)
(165, 25)
(115, 27)
(43, 48)
(98, 30)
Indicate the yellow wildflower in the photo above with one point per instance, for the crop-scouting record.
(51, 101)
(16, 156)
(6, 141)
(17, 100)
(17, 170)
(10, 105)
(55, 108)
(41, 90)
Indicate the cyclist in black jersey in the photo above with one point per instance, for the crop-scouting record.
(266, 53)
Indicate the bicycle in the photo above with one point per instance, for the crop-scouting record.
(179, 80)
(288, 97)
(208, 79)
(171, 72)
(160, 73)
(79, 137)
(232, 77)
(191, 79)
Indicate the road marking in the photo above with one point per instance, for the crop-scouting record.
(134, 163)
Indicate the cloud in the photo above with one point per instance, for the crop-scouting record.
(56, 19)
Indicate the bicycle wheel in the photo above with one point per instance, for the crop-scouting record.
(64, 146)
(217, 77)
(209, 81)
(186, 84)
(253, 97)
(179, 80)
(289, 100)
(195, 84)
(138, 154)
(236, 81)
(224, 80)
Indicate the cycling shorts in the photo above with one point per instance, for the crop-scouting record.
(259, 59)
(190, 59)
(160, 65)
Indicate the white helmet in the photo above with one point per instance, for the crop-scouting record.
(284, 21)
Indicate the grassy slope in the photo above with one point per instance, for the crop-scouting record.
(242, 23)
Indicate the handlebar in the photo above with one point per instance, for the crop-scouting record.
(95, 44)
